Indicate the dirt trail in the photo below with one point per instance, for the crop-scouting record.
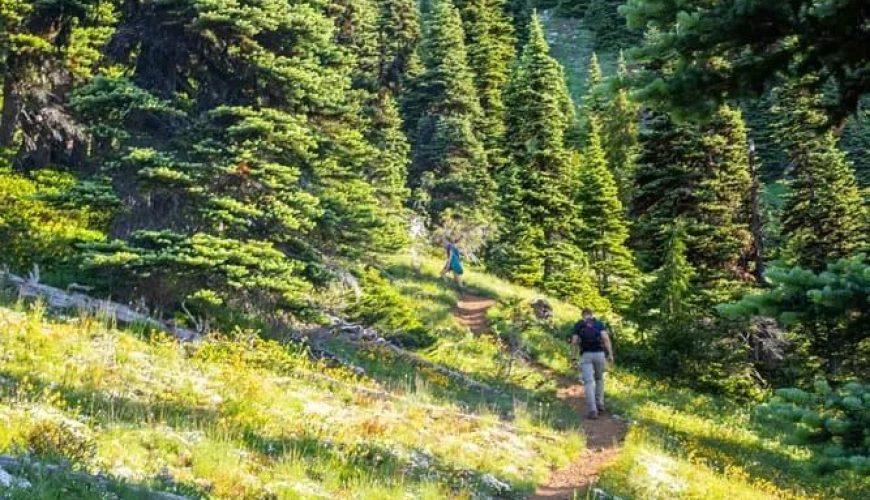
(603, 439)
(470, 311)
(603, 436)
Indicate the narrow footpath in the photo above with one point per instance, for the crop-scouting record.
(603, 436)
(603, 440)
(470, 312)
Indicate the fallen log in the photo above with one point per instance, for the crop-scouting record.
(58, 299)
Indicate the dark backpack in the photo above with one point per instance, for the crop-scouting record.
(590, 335)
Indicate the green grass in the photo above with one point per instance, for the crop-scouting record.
(682, 444)
(687, 445)
(238, 416)
(246, 418)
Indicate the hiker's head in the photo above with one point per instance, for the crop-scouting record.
(587, 313)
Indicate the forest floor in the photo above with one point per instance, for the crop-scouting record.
(603, 436)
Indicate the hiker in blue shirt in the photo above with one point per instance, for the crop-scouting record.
(454, 263)
(590, 335)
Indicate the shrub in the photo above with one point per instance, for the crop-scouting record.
(57, 437)
(383, 307)
(36, 232)
(826, 312)
(834, 422)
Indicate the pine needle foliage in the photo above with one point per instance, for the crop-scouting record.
(447, 144)
(698, 173)
(604, 231)
(825, 217)
(539, 182)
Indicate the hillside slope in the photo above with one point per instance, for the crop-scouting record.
(241, 417)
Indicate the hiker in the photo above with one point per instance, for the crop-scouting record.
(454, 263)
(590, 335)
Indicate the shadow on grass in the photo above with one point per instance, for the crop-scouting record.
(48, 481)
(362, 462)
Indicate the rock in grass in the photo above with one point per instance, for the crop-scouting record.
(7, 480)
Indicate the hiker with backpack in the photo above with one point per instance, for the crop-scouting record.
(590, 336)
(454, 263)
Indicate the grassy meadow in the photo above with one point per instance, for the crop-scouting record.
(235, 416)
(240, 417)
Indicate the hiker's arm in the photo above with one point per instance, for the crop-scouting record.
(575, 343)
(575, 335)
(608, 346)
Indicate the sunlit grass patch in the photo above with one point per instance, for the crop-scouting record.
(645, 470)
(241, 417)
(714, 445)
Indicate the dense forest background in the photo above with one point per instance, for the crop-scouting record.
(234, 162)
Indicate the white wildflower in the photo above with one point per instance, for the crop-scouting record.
(495, 484)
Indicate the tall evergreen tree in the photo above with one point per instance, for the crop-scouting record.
(699, 173)
(539, 181)
(398, 29)
(673, 281)
(446, 143)
(241, 158)
(604, 230)
(666, 306)
(46, 48)
(382, 151)
(388, 173)
(619, 134)
(593, 106)
(520, 11)
(611, 31)
(825, 217)
(490, 43)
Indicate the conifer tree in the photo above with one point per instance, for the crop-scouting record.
(699, 173)
(520, 11)
(619, 126)
(594, 76)
(389, 171)
(241, 176)
(666, 306)
(47, 47)
(539, 181)
(446, 142)
(604, 231)
(603, 17)
(670, 291)
(593, 106)
(568, 275)
(398, 29)
(824, 218)
(381, 152)
(490, 43)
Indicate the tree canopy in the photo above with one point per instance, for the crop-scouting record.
(704, 53)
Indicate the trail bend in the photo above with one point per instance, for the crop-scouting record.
(603, 436)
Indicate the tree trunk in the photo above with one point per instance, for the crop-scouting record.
(11, 105)
(755, 224)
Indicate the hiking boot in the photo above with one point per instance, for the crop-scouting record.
(592, 415)
(601, 408)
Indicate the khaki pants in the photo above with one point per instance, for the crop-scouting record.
(592, 365)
